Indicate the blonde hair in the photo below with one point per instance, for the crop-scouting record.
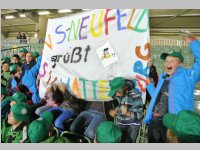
(171, 137)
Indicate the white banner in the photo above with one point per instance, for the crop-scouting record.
(88, 49)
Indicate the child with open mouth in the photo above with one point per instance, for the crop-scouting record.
(174, 91)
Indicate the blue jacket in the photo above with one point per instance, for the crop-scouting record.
(181, 86)
(29, 79)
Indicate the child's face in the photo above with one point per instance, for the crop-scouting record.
(2, 97)
(5, 67)
(171, 64)
(12, 103)
(19, 72)
(29, 57)
(48, 96)
(15, 60)
(119, 93)
(11, 119)
(22, 54)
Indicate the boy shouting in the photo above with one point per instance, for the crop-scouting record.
(174, 91)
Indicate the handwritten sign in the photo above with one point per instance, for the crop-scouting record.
(86, 50)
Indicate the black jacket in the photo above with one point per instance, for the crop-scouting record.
(154, 75)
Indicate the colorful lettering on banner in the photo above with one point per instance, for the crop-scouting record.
(82, 27)
(102, 89)
(100, 25)
(138, 68)
(129, 22)
(75, 88)
(119, 16)
(145, 11)
(49, 79)
(106, 20)
(76, 41)
(94, 83)
(140, 55)
(60, 32)
(84, 88)
(139, 80)
(44, 68)
(49, 44)
(75, 29)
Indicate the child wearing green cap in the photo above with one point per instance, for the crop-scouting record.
(15, 78)
(5, 74)
(6, 59)
(16, 98)
(128, 115)
(14, 129)
(108, 132)
(16, 60)
(39, 129)
(174, 91)
(182, 127)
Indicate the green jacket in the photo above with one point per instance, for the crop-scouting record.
(4, 78)
(19, 135)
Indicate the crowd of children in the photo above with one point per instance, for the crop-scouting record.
(63, 118)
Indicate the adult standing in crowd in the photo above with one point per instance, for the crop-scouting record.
(19, 36)
(24, 40)
(153, 75)
(22, 54)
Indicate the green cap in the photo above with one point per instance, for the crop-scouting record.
(108, 132)
(39, 129)
(48, 116)
(24, 50)
(36, 54)
(3, 91)
(185, 124)
(174, 54)
(13, 67)
(116, 84)
(6, 59)
(19, 97)
(21, 111)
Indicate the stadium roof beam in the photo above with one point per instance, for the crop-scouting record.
(29, 14)
(165, 27)
(172, 18)
(167, 16)
(7, 22)
(28, 24)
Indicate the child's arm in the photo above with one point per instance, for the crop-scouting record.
(35, 69)
(151, 89)
(194, 71)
